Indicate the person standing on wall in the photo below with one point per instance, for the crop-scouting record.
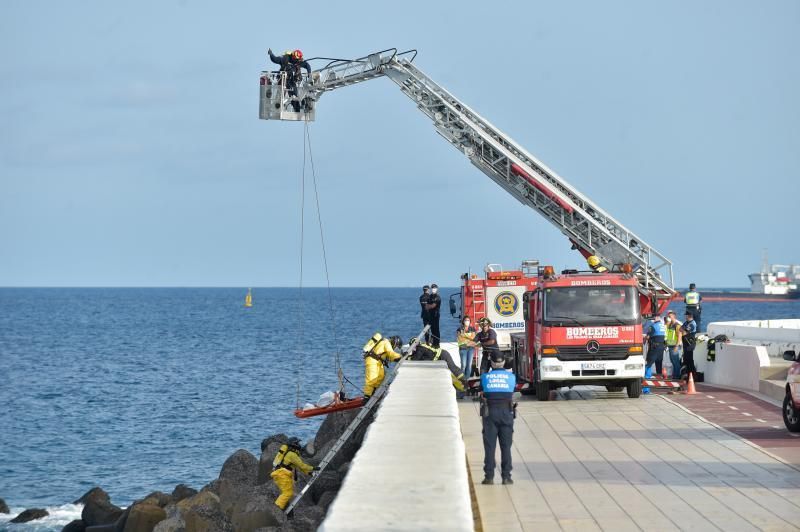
(693, 301)
(434, 305)
(424, 314)
(673, 341)
(688, 332)
(497, 415)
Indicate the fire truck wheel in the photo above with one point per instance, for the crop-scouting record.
(543, 391)
(634, 388)
(615, 388)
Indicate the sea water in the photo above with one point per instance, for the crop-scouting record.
(137, 390)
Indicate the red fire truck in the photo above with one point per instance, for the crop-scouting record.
(575, 328)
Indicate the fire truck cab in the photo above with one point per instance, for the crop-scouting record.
(581, 328)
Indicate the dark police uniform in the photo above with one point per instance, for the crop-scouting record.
(656, 343)
(424, 313)
(433, 317)
(498, 419)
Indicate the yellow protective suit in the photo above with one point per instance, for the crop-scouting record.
(285, 463)
(373, 365)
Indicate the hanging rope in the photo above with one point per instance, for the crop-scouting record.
(301, 356)
(337, 358)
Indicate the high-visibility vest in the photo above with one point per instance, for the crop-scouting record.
(672, 334)
(692, 298)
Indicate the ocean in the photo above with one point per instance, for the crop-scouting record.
(139, 389)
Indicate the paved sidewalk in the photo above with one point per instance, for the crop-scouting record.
(594, 460)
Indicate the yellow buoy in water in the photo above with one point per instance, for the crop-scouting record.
(248, 299)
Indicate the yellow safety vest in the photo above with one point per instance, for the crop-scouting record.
(672, 334)
(692, 298)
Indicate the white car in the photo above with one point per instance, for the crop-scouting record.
(791, 403)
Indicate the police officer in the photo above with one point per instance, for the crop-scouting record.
(423, 302)
(692, 300)
(656, 337)
(497, 412)
(434, 305)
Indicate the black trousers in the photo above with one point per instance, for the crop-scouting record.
(434, 320)
(498, 425)
(688, 360)
(426, 320)
(655, 353)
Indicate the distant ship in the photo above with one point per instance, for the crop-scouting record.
(773, 283)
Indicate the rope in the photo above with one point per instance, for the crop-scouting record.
(300, 357)
(338, 357)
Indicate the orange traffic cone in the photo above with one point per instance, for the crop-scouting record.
(690, 388)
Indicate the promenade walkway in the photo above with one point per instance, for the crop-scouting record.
(593, 460)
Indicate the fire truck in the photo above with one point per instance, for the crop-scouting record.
(575, 327)
(567, 329)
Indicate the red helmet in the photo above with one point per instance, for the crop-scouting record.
(298, 55)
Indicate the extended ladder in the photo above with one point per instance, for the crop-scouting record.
(376, 398)
(591, 230)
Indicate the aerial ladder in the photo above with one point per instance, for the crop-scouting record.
(591, 230)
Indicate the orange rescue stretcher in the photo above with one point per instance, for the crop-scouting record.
(336, 406)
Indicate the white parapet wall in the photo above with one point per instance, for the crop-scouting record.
(776, 336)
(737, 366)
(411, 472)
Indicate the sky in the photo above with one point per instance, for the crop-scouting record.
(131, 153)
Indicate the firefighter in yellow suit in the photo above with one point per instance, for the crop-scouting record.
(284, 469)
(378, 352)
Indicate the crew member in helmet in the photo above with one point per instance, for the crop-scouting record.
(291, 63)
(284, 470)
(424, 351)
(497, 412)
(378, 352)
(486, 339)
(594, 263)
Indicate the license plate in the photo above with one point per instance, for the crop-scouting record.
(593, 365)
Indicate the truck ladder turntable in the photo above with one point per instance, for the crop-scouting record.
(592, 230)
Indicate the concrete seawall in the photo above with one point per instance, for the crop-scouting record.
(410, 473)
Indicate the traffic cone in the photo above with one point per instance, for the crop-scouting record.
(690, 387)
(664, 372)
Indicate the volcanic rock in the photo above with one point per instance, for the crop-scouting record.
(3, 507)
(326, 499)
(280, 438)
(160, 498)
(144, 516)
(98, 510)
(75, 526)
(326, 481)
(30, 514)
(96, 494)
(240, 468)
(182, 491)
